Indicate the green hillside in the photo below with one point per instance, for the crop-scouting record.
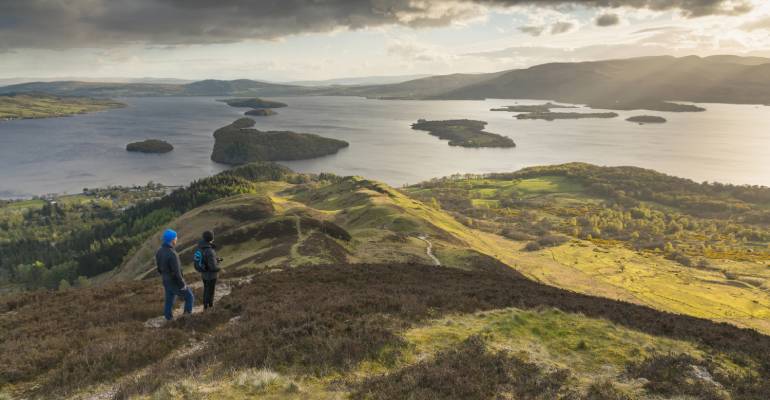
(624, 233)
(26, 106)
(460, 288)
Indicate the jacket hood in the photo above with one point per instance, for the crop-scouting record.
(204, 244)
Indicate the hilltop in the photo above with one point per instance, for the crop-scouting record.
(467, 287)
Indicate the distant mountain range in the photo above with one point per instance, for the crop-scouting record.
(621, 83)
(364, 80)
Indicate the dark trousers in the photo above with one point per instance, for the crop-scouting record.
(171, 294)
(208, 292)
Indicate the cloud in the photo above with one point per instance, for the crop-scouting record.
(56, 24)
(607, 20)
(760, 24)
(411, 50)
(689, 8)
(562, 27)
(533, 30)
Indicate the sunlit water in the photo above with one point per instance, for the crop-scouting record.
(727, 143)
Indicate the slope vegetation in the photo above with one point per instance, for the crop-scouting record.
(330, 291)
(624, 233)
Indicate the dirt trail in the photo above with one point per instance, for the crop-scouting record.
(429, 250)
(223, 289)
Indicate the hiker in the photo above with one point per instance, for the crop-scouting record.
(170, 269)
(206, 262)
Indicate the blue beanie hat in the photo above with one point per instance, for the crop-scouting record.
(168, 236)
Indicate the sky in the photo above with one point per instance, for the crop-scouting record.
(288, 40)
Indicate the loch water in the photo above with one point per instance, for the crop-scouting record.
(726, 143)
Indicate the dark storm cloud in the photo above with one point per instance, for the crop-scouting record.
(690, 8)
(607, 20)
(103, 23)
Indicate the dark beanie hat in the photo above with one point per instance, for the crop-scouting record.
(208, 236)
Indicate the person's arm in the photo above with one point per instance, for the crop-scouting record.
(158, 260)
(211, 260)
(176, 269)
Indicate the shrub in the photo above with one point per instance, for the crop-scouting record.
(673, 375)
(606, 390)
(257, 379)
(470, 372)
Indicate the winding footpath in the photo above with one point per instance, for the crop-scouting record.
(429, 250)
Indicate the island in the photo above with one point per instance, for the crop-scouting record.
(36, 105)
(238, 143)
(551, 116)
(253, 102)
(261, 112)
(532, 108)
(464, 133)
(150, 146)
(652, 105)
(647, 119)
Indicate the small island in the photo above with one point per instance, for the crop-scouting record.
(261, 112)
(531, 108)
(464, 133)
(552, 116)
(253, 102)
(651, 105)
(238, 143)
(36, 105)
(150, 146)
(647, 119)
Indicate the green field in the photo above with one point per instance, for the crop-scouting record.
(25, 106)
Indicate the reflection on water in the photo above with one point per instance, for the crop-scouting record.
(728, 143)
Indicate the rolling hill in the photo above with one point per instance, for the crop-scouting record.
(342, 287)
(635, 83)
(605, 84)
(462, 288)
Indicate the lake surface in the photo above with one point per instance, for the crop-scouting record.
(727, 143)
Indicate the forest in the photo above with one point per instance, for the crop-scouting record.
(645, 210)
(59, 242)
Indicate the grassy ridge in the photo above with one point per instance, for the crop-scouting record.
(25, 106)
(626, 233)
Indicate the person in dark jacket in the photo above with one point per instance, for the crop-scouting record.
(169, 267)
(211, 268)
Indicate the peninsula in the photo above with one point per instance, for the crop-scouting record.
(531, 108)
(36, 105)
(551, 116)
(464, 133)
(652, 105)
(238, 143)
(150, 146)
(253, 102)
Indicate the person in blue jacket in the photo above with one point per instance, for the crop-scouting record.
(169, 267)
